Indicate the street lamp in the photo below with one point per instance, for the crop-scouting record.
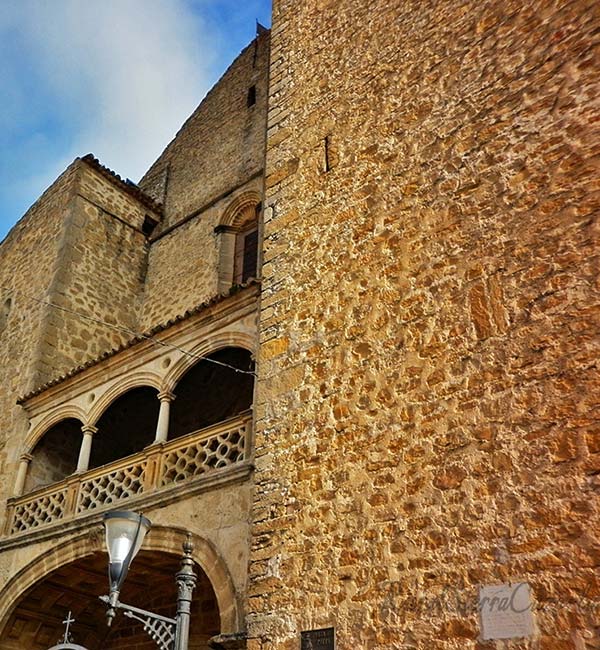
(125, 532)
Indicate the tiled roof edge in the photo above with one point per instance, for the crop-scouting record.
(127, 186)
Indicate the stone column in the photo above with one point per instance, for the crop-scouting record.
(227, 236)
(22, 473)
(86, 448)
(162, 427)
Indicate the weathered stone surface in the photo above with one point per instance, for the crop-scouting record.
(220, 146)
(437, 289)
(27, 262)
(183, 265)
(82, 275)
(426, 413)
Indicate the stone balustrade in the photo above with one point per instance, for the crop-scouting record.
(158, 467)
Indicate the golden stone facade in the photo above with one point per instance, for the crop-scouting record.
(387, 406)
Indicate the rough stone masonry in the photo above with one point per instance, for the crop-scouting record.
(426, 413)
(428, 403)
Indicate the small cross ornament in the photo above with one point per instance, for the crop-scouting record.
(68, 622)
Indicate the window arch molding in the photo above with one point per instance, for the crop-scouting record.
(238, 241)
(240, 209)
(225, 340)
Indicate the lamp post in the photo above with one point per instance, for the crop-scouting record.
(125, 532)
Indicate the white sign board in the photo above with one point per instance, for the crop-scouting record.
(505, 611)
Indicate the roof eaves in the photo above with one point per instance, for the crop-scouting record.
(127, 186)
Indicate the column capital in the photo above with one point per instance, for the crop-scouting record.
(166, 396)
(27, 458)
(89, 429)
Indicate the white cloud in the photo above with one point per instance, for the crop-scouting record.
(122, 75)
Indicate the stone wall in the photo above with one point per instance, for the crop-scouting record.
(72, 269)
(221, 145)
(119, 199)
(183, 264)
(427, 406)
(99, 272)
(27, 257)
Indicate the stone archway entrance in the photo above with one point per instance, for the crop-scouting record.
(36, 622)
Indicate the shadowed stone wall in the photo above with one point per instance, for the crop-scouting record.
(217, 156)
(220, 146)
(70, 254)
(27, 258)
(183, 264)
(427, 406)
(99, 272)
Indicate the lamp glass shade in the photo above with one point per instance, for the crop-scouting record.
(125, 532)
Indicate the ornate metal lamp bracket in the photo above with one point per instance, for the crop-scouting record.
(167, 633)
(160, 629)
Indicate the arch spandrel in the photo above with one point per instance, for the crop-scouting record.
(63, 412)
(119, 388)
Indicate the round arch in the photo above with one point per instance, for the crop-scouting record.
(162, 538)
(135, 380)
(63, 412)
(204, 349)
(241, 209)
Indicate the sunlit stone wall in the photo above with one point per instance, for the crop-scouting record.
(428, 389)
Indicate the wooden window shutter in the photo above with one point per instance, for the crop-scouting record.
(250, 255)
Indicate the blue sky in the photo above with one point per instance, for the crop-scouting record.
(113, 77)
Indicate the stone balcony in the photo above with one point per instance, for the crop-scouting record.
(159, 472)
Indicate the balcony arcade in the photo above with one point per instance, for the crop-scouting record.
(137, 445)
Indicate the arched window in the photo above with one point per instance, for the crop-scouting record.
(126, 427)
(239, 241)
(212, 391)
(246, 250)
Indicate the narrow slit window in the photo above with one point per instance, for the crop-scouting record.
(149, 225)
(250, 255)
(251, 96)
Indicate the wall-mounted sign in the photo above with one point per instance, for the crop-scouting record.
(505, 611)
(318, 639)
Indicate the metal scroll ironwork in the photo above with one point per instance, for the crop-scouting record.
(167, 633)
(160, 629)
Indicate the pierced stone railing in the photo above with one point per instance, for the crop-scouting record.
(157, 468)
